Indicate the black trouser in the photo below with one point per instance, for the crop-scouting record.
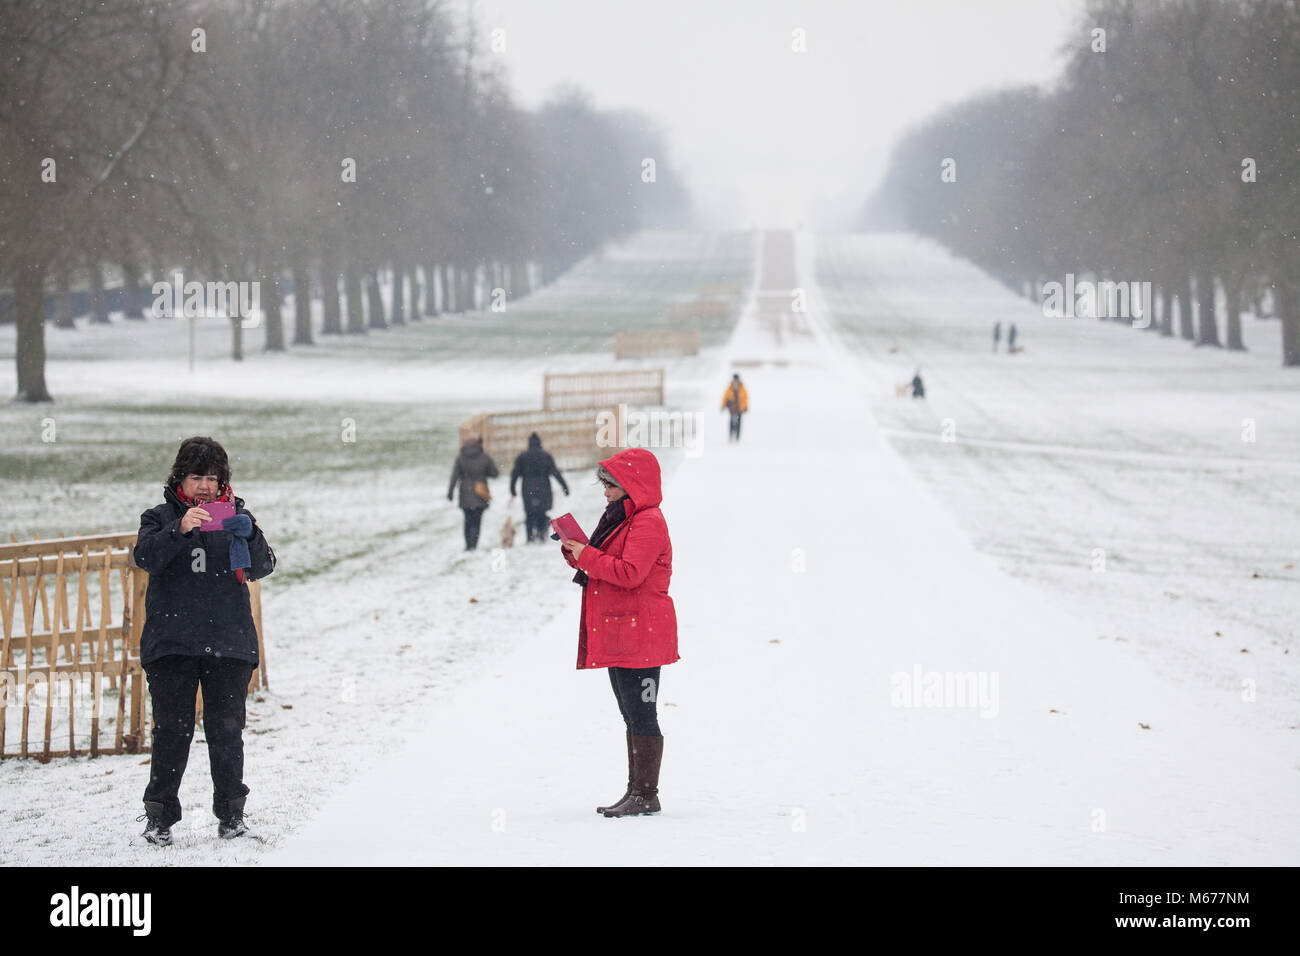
(473, 518)
(174, 682)
(735, 425)
(636, 689)
(535, 522)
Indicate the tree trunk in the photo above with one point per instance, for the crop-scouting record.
(63, 301)
(377, 320)
(468, 297)
(1287, 305)
(29, 317)
(431, 290)
(352, 290)
(98, 300)
(271, 311)
(302, 304)
(1153, 320)
(398, 316)
(1186, 326)
(448, 289)
(237, 338)
(132, 308)
(520, 285)
(1232, 292)
(1208, 330)
(1167, 302)
(331, 316)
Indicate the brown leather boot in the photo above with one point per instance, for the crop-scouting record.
(629, 777)
(647, 753)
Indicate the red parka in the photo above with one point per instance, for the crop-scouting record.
(628, 619)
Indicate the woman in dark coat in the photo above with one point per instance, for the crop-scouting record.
(198, 632)
(536, 467)
(473, 466)
(628, 622)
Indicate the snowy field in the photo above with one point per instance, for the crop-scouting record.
(352, 643)
(1096, 436)
(834, 553)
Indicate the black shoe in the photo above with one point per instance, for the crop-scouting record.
(232, 825)
(154, 831)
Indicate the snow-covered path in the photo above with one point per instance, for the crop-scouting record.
(810, 568)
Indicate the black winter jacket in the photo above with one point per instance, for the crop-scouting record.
(195, 606)
(472, 464)
(536, 467)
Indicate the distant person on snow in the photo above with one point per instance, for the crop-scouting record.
(198, 633)
(472, 469)
(997, 334)
(536, 467)
(628, 622)
(735, 400)
(1011, 338)
(918, 387)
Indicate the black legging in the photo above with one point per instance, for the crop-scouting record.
(636, 689)
(473, 518)
(535, 521)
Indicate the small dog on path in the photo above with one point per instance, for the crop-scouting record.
(508, 533)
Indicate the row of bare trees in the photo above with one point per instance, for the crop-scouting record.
(293, 141)
(1169, 153)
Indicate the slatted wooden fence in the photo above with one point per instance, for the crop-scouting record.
(596, 390)
(92, 652)
(570, 435)
(711, 308)
(656, 342)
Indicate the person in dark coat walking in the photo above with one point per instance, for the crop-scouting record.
(536, 467)
(472, 470)
(198, 632)
(918, 387)
(997, 334)
(1011, 339)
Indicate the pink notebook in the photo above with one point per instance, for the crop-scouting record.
(567, 528)
(220, 511)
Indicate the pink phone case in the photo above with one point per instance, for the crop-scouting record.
(220, 511)
(566, 526)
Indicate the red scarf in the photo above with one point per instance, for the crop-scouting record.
(227, 494)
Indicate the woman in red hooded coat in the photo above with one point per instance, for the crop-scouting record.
(628, 623)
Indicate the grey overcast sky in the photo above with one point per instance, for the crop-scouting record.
(767, 136)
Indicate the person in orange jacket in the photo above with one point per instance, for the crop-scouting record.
(735, 400)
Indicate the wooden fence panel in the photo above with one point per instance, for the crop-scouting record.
(656, 342)
(46, 645)
(597, 390)
(572, 436)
